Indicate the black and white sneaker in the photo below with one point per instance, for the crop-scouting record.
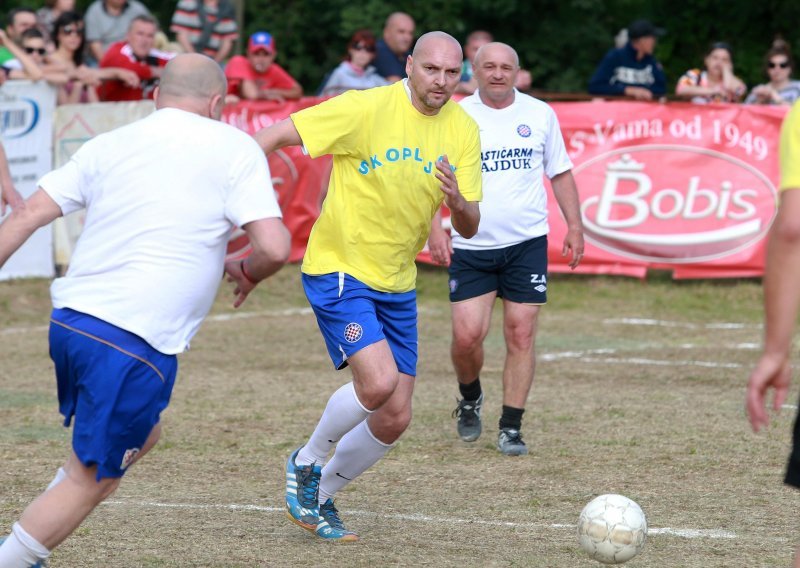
(468, 413)
(510, 443)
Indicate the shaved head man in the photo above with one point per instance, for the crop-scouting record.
(398, 152)
(395, 45)
(162, 196)
(508, 257)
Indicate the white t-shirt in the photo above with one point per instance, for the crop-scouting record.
(519, 144)
(162, 195)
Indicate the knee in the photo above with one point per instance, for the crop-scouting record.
(389, 426)
(520, 338)
(372, 394)
(466, 339)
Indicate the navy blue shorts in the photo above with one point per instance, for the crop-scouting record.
(351, 316)
(517, 273)
(114, 385)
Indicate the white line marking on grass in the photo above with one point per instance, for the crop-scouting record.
(582, 357)
(683, 533)
(686, 325)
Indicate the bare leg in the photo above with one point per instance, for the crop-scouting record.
(471, 319)
(520, 322)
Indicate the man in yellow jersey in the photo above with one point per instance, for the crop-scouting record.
(781, 299)
(398, 152)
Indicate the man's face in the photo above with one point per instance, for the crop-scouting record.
(496, 72)
(399, 34)
(261, 59)
(35, 48)
(433, 74)
(142, 38)
(646, 44)
(22, 21)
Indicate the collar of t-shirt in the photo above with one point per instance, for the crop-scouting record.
(408, 90)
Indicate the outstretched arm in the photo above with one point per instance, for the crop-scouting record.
(781, 301)
(39, 210)
(567, 196)
(278, 135)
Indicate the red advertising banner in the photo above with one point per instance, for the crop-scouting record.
(683, 187)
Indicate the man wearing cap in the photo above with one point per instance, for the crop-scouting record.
(631, 70)
(257, 76)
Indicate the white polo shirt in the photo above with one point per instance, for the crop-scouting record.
(519, 144)
(162, 196)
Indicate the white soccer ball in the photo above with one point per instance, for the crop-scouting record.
(612, 529)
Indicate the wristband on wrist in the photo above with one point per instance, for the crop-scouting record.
(245, 274)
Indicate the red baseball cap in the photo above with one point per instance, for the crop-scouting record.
(261, 41)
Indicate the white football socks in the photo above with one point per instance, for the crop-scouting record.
(60, 475)
(343, 412)
(21, 550)
(358, 450)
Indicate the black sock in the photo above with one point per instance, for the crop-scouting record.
(471, 391)
(511, 418)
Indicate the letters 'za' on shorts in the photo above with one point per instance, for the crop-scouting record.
(114, 385)
(793, 467)
(351, 316)
(517, 273)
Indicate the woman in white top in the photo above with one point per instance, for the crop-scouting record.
(355, 72)
(780, 90)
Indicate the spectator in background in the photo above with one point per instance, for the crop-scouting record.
(138, 54)
(257, 76)
(107, 22)
(393, 49)
(17, 21)
(49, 13)
(780, 90)
(355, 72)
(35, 47)
(468, 84)
(716, 83)
(22, 66)
(632, 70)
(206, 26)
(69, 38)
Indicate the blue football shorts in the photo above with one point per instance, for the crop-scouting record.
(351, 316)
(517, 273)
(112, 383)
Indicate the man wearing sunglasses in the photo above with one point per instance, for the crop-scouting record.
(17, 21)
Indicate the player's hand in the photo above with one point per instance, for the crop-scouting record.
(440, 246)
(243, 285)
(9, 196)
(772, 371)
(573, 241)
(452, 197)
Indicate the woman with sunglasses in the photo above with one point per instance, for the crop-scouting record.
(355, 72)
(70, 40)
(716, 83)
(780, 90)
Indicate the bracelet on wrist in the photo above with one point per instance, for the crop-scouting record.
(245, 274)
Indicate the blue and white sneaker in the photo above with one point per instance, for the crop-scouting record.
(40, 564)
(302, 492)
(330, 526)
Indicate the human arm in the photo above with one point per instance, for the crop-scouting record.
(464, 215)
(127, 76)
(182, 38)
(225, 48)
(566, 194)
(781, 301)
(278, 135)
(38, 211)
(600, 83)
(31, 71)
(8, 193)
(439, 243)
(271, 244)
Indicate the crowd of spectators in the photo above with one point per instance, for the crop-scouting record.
(115, 52)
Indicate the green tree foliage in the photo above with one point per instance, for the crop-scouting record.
(559, 41)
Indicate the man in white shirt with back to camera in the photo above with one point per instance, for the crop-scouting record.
(520, 142)
(162, 196)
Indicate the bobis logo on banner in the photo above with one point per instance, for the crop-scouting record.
(673, 204)
(18, 116)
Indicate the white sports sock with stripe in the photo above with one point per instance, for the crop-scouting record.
(21, 550)
(343, 412)
(358, 450)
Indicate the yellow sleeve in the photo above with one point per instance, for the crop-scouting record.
(790, 150)
(468, 172)
(333, 126)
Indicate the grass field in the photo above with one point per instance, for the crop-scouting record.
(639, 391)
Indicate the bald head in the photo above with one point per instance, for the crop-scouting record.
(190, 82)
(436, 41)
(398, 33)
(496, 50)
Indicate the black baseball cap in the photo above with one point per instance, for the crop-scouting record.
(643, 28)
